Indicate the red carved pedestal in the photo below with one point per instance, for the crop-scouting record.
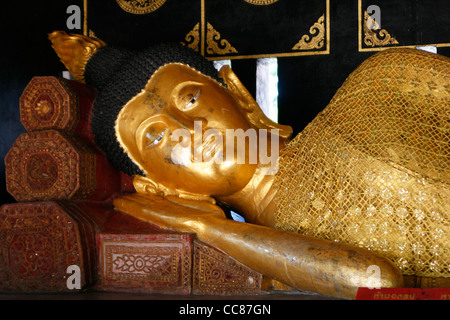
(49, 165)
(216, 273)
(49, 103)
(40, 241)
(55, 165)
(145, 259)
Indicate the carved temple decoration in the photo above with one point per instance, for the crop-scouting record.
(375, 36)
(216, 29)
(215, 43)
(315, 39)
(140, 6)
(39, 241)
(48, 102)
(261, 2)
(218, 273)
(146, 262)
(192, 39)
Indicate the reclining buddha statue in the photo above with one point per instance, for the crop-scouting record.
(365, 184)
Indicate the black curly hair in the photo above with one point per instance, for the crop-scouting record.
(119, 74)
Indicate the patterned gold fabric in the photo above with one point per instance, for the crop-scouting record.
(372, 169)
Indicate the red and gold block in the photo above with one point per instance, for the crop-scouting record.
(57, 158)
(144, 258)
(49, 103)
(48, 165)
(56, 103)
(216, 273)
(56, 165)
(40, 241)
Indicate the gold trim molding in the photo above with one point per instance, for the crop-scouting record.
(140, 6)
(315, 39)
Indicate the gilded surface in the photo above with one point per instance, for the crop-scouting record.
(373, 169)
(366, 183)
(140, 6)
(333, 269)
(143, 128)
(74, 50)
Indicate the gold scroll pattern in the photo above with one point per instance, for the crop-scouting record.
(215, 43)
(379, 38)
(315, 39)
(192, 39)
(140, 6)
(261, 2)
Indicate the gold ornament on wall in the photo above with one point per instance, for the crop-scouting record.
(315, 39)
(75, 50)
(140, 6)
(216, 45)
(261, 2)
(379, 38)
(192, 39)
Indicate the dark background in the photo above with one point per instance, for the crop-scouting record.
(306, 83)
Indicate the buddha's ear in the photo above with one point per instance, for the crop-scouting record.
(249, 106)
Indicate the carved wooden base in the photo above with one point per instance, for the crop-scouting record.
(49, 165)
(40, 241)
(216, 273)
(49, 103)
(56, 165)
(150, 261)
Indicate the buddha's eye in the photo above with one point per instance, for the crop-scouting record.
(191, 100)
(187, 95)
(154, 136)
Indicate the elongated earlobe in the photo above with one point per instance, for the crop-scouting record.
(250, 108)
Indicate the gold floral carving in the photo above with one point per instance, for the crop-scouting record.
(315, 39)
(193, 38)
(140, 6)
(75, 50)
(216, 45)
(376, 38)
(261, 2)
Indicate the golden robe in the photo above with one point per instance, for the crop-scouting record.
(372, 169)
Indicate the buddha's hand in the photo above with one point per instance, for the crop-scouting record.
(170, 212)
(196, 204)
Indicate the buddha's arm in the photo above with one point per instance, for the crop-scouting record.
(304, 263)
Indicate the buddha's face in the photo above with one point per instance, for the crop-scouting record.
(175, 130)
